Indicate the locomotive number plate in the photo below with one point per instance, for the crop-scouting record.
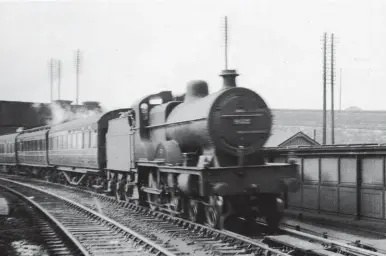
(242, 121)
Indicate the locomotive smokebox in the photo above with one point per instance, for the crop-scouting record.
(196, 89)
(229, 76)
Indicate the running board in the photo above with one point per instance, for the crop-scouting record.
(151, 190)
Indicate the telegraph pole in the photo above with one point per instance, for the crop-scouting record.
(340, 91)
(52, 79)
(77, 75)
(324, 87)
(226, 43)
(332, 90)
(59, 67)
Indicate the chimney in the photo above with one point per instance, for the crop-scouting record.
(92, 105)
(229, 76)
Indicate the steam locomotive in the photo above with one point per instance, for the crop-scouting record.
(197, 156)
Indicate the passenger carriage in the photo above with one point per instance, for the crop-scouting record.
(8, 153)
(77, 147)
(31, 146)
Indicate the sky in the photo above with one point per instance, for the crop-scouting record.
(134, 48)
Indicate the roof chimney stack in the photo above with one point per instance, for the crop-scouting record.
(92, 105)
(63, 103)
(229, 76)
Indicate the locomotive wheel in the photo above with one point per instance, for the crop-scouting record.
(213, 212)
(153, 198)
(119, 191)
(61, 179)
(195, 211)
(272, 214)
(175, 204)
(131, 191)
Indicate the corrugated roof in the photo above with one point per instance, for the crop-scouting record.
(77, 123)
(8, 137)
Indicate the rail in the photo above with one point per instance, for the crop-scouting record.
(65, 215)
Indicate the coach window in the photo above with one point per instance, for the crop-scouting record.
(69, 138)
(73, 140)
(69, 141)
(73, 143)
(61, 142)
(86, 139)
(93, 141)
(65, 143)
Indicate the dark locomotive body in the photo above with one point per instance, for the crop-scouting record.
(197, 157)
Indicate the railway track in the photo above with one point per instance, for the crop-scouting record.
(296, 240)
(29, 229)
(184, 237)
(91, 232)
(293, 229)
(195, 239)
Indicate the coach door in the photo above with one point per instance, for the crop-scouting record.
(131, 139)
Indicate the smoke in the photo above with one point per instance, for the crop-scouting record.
(57, 113)
(61, 113)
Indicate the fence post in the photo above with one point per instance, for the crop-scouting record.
(358, 186)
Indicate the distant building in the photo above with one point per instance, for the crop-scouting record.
(16, 114)
(288, 139)
(299, 139)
